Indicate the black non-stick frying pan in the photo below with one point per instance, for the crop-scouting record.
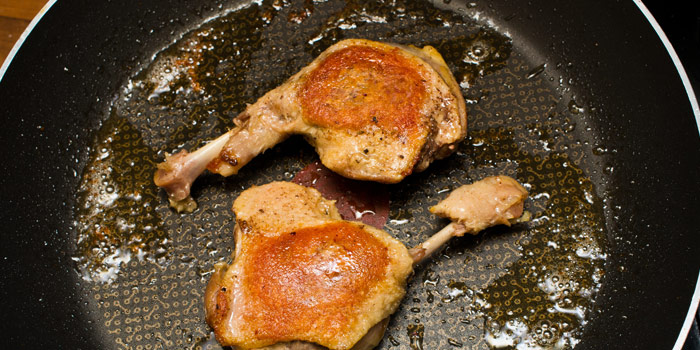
(582, 101)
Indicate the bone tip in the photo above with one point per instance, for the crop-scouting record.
(186, 205)
(525, 217)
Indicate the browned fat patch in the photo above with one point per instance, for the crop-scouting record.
(360, 86)
(314, 278)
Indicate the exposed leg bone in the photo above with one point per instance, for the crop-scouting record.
(225, 155)
(259, 130)
(432, 244)
(179, 170)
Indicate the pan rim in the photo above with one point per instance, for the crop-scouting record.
(695, 300)
(692, 98)
(23, 37)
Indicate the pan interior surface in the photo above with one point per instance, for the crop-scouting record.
(583, 108)
(531, 286)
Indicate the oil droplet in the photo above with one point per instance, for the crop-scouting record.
(208, 343)
(415, 334)
(430, 277)
(575, 108)
(454, 343)
(563, 257)
(443, 190)
(401, 217)
(431, 298)
(115, 220)
(536, 71)
(457, 290)
(393, 341)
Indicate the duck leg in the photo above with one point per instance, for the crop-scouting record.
(496, 200)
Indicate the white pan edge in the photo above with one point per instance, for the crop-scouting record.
(23, 37)
(692, 310)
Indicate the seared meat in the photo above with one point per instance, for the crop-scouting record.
(373, 111)
(495, 200)
(302, 274)
(304, 279)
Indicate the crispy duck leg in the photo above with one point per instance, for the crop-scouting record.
(304, 279)
(373, 111)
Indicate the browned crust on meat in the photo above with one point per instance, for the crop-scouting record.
(361, 87)
(215, 298)
(310, 280)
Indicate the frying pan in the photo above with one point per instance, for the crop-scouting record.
(639, 118)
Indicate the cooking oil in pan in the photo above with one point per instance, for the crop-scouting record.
(543, 298)
(531, 286)
(117, 219)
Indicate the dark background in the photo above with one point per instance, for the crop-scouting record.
(680, 20)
